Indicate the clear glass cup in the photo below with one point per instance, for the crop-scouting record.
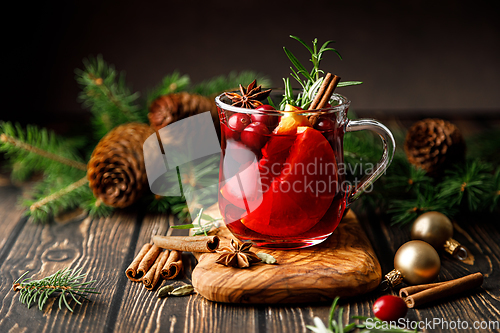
(284, 187)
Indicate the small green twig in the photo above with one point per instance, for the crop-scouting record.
(35, 150)
(64, 282)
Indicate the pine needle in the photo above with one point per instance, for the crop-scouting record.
(171, 83)
(58, 194)
(63, 283)
(36, 149)
(107, 96)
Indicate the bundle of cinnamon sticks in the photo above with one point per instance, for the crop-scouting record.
(162, 260)
(416, 296)
(323, 96)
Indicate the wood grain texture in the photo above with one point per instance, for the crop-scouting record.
(344, 265)
(10, 213)
(142, 311)
(99, 246)
(480, 235)
(105, 246)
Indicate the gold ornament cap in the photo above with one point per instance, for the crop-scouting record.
(456, 249)
(392, 279)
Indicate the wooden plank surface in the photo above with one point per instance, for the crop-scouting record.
(10, 214)
(99, 246)
(104, 247)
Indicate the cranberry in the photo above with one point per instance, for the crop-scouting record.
(265, 107)
(255, 135)
(325, 124)
(237, 123)
(389, 308)
(269, 120)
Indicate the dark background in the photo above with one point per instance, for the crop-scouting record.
(413, 56)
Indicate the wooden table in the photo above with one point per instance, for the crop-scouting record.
(104, 247)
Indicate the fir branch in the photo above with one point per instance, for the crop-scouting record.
(32, 149)
(407, 210)
(56, 193)
(468, 184)
(104, 91)
(219, 84)
(59, 194)
(414, 179)
(63, 283)
(37, 150)
(494, 200)
(96, 208)
(171, 83)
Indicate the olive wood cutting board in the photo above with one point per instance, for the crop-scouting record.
(344, 265)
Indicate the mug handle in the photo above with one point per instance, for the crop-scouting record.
(389, 147)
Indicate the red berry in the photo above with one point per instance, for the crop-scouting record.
(255, 135)
(238, 121)
(269, 120)
(389, 308)
(265, 107)
(325, 124)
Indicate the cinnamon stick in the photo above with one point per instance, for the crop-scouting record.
(187, 243)
(445, 289)
(131, 271)
(410, 290)
(329, 91)
(172, 266)
(323, 96)
(321, 91)
(153, 276)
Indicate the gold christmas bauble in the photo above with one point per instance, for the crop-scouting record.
(432, 227)
(418, 262)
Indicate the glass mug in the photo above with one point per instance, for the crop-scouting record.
(281, 188)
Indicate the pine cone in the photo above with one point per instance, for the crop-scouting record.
(433, 144)
(116, 170)
(169, 108)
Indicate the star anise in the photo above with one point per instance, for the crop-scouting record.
(249, 97)
(237, 255)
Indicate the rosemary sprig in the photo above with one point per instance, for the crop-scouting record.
(64, 282)
(200, 229)
(336, 326)
(311, 81)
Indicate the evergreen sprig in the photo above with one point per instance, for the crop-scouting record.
(406, 210)
(170, 84)
(337, 326)
(311, 81)
(64, 283)
(198, 227)
(106, 94)
(468, 184)
(64, 184)
(55, 194)
(36, 149)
